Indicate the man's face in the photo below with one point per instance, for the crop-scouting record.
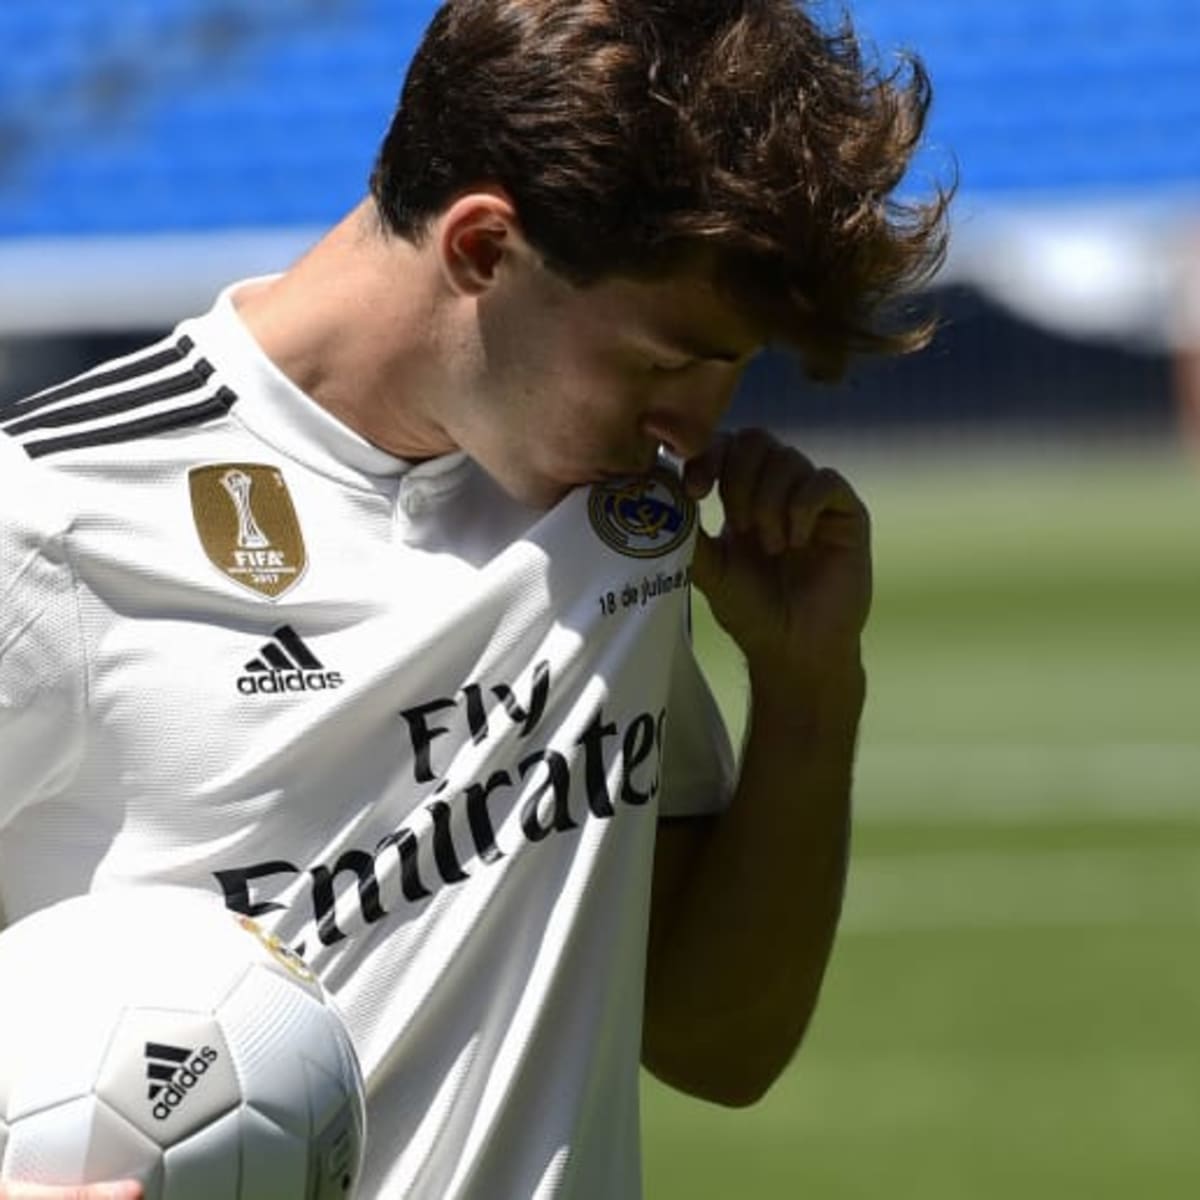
(574, 385)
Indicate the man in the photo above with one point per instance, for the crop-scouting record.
(362, 601)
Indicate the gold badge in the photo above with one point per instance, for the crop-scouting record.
(248, 526)
(644, 517)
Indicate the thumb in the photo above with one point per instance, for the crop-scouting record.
(701, 472)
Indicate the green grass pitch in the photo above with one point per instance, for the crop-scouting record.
(1013, 1006)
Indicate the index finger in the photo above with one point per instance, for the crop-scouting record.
(701, 472)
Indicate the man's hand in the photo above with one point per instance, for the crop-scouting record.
(746, 904)
(789, 576)
(126, 1190)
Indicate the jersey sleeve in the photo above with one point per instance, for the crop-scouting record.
(698, 761)
(42, 667)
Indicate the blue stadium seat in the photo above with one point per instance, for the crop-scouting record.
(189, 114)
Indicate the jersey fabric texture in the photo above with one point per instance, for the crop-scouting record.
(419, 731)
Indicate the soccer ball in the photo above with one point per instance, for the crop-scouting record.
(148, 1033)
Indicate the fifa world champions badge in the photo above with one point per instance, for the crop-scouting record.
(644, 517)
(248, 526)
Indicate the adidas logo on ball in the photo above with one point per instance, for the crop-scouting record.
(172, 1072)
(286, 664)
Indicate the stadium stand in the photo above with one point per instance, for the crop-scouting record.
(150, 150)
(154, 115)
(1058, 97)
(188, 115)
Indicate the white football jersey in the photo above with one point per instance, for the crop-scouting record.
(420, 731)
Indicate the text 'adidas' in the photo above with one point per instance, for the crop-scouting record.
(286, 664)
(172, 1072)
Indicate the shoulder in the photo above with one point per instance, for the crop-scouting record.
(42, 652)
(34, 506)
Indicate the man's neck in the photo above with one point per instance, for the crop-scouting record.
(351, 324)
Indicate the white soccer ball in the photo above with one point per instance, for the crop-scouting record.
(149, 1033)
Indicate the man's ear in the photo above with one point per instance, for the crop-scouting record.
(474, 236)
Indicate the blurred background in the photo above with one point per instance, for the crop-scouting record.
(1013, 1007)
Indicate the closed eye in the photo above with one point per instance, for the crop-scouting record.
(659, 368)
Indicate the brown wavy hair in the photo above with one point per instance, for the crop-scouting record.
(636, 135)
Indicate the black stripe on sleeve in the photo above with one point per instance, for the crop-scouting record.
(178, 418)
(94, 382)
(191, 380)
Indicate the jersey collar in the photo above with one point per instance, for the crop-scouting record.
(272, 407)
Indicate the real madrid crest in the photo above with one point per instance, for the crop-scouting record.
(284, 955)
(643, 517)
(248, 526)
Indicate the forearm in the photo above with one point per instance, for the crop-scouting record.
(745, 917)
(128, 1190)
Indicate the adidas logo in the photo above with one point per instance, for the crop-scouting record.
(286, 664)
(172, 1072)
